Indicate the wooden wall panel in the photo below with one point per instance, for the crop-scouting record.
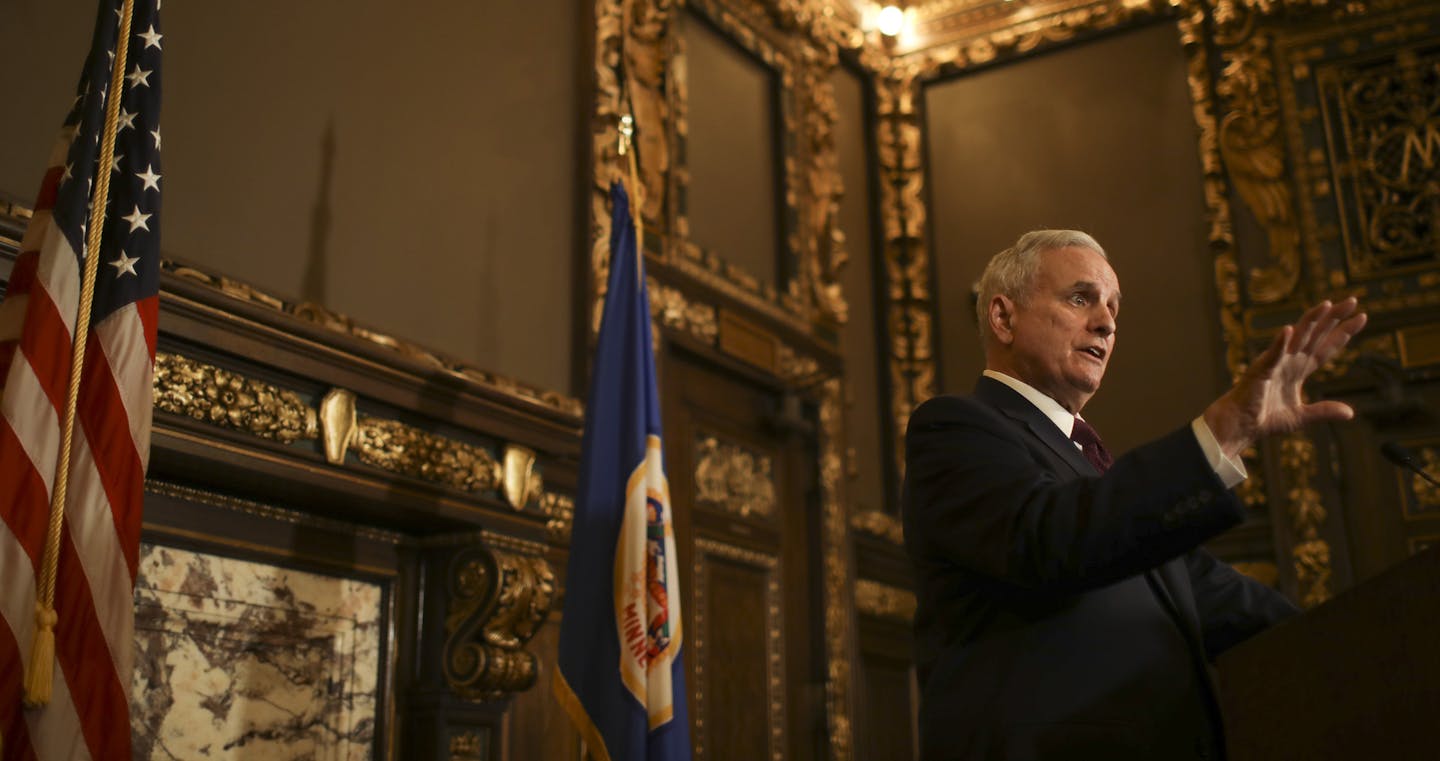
(536, 726)
(734, 666)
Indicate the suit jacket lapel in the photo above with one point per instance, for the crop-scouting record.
(1017, 407)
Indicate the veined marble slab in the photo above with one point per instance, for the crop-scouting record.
(240, 660)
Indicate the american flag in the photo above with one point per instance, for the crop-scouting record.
(88, 715)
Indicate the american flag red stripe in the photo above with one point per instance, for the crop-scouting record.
(88, 715)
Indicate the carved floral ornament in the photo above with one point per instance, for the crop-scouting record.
(733, 478)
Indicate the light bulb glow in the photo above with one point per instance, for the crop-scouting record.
(890, 21)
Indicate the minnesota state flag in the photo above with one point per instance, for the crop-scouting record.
(620, 676)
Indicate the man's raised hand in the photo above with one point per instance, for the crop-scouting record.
(1267, 399)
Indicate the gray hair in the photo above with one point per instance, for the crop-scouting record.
(1011, 273)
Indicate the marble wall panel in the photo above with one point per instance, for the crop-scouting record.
(241, 660)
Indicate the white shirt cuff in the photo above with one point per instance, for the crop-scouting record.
(1231, 472)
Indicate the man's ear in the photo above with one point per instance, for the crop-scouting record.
(1001, 313)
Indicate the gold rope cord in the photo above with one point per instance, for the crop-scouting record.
(41, 668)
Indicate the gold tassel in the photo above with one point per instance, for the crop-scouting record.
(41, 671)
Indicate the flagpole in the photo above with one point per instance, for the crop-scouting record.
(41, 668)
(637, 214)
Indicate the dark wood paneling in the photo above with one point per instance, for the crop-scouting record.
(536, 726)
(886, 720)
(734, 660)
(749, 688)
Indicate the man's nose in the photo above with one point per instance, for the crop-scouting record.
(1103, 323)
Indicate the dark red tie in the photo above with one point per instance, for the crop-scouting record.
(1091, 446)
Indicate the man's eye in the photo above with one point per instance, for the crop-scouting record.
(1077, 299)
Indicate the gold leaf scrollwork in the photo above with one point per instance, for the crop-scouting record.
(1388, 126)
(496, 602)
(906, 258)
(400, 448)
(220, 397)
(1311, 552)
(733, 478)
(824, 243)
(1251, 147)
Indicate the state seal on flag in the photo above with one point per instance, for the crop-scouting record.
(647, 594)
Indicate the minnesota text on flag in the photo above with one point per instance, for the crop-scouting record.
(620, 675)
(88, 714)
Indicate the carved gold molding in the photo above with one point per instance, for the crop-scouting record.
(217, 396)
(906, 304)
(1217, 186)
(496, 602)
(399, 448)
(467, 746)
(1311, 553)
(559, 511)
(774, 639)
(878, 600)
(838, 573)
(670, 307)
(343, 325)
(799, 40)
(879, 525)
(1251, 146)
(1259, 74)
(955, 35)
(733, 479)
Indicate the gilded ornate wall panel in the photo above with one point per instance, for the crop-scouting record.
(640, 71)
(1317, 127)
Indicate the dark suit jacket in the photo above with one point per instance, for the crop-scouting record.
(1062, 614)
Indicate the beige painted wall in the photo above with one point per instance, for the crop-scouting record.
(413, 166)
(1097, 137)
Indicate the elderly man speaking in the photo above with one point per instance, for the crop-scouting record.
(1066, 610)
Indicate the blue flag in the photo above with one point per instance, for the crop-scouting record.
(621, 678)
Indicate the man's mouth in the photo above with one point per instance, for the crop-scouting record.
(1094, 351)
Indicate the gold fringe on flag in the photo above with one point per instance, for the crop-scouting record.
(40, 671)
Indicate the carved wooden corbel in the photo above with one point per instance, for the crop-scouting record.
(495, 602)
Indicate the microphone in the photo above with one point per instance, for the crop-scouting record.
(1401, 456)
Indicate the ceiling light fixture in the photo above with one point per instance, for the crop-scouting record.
(890, 21)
